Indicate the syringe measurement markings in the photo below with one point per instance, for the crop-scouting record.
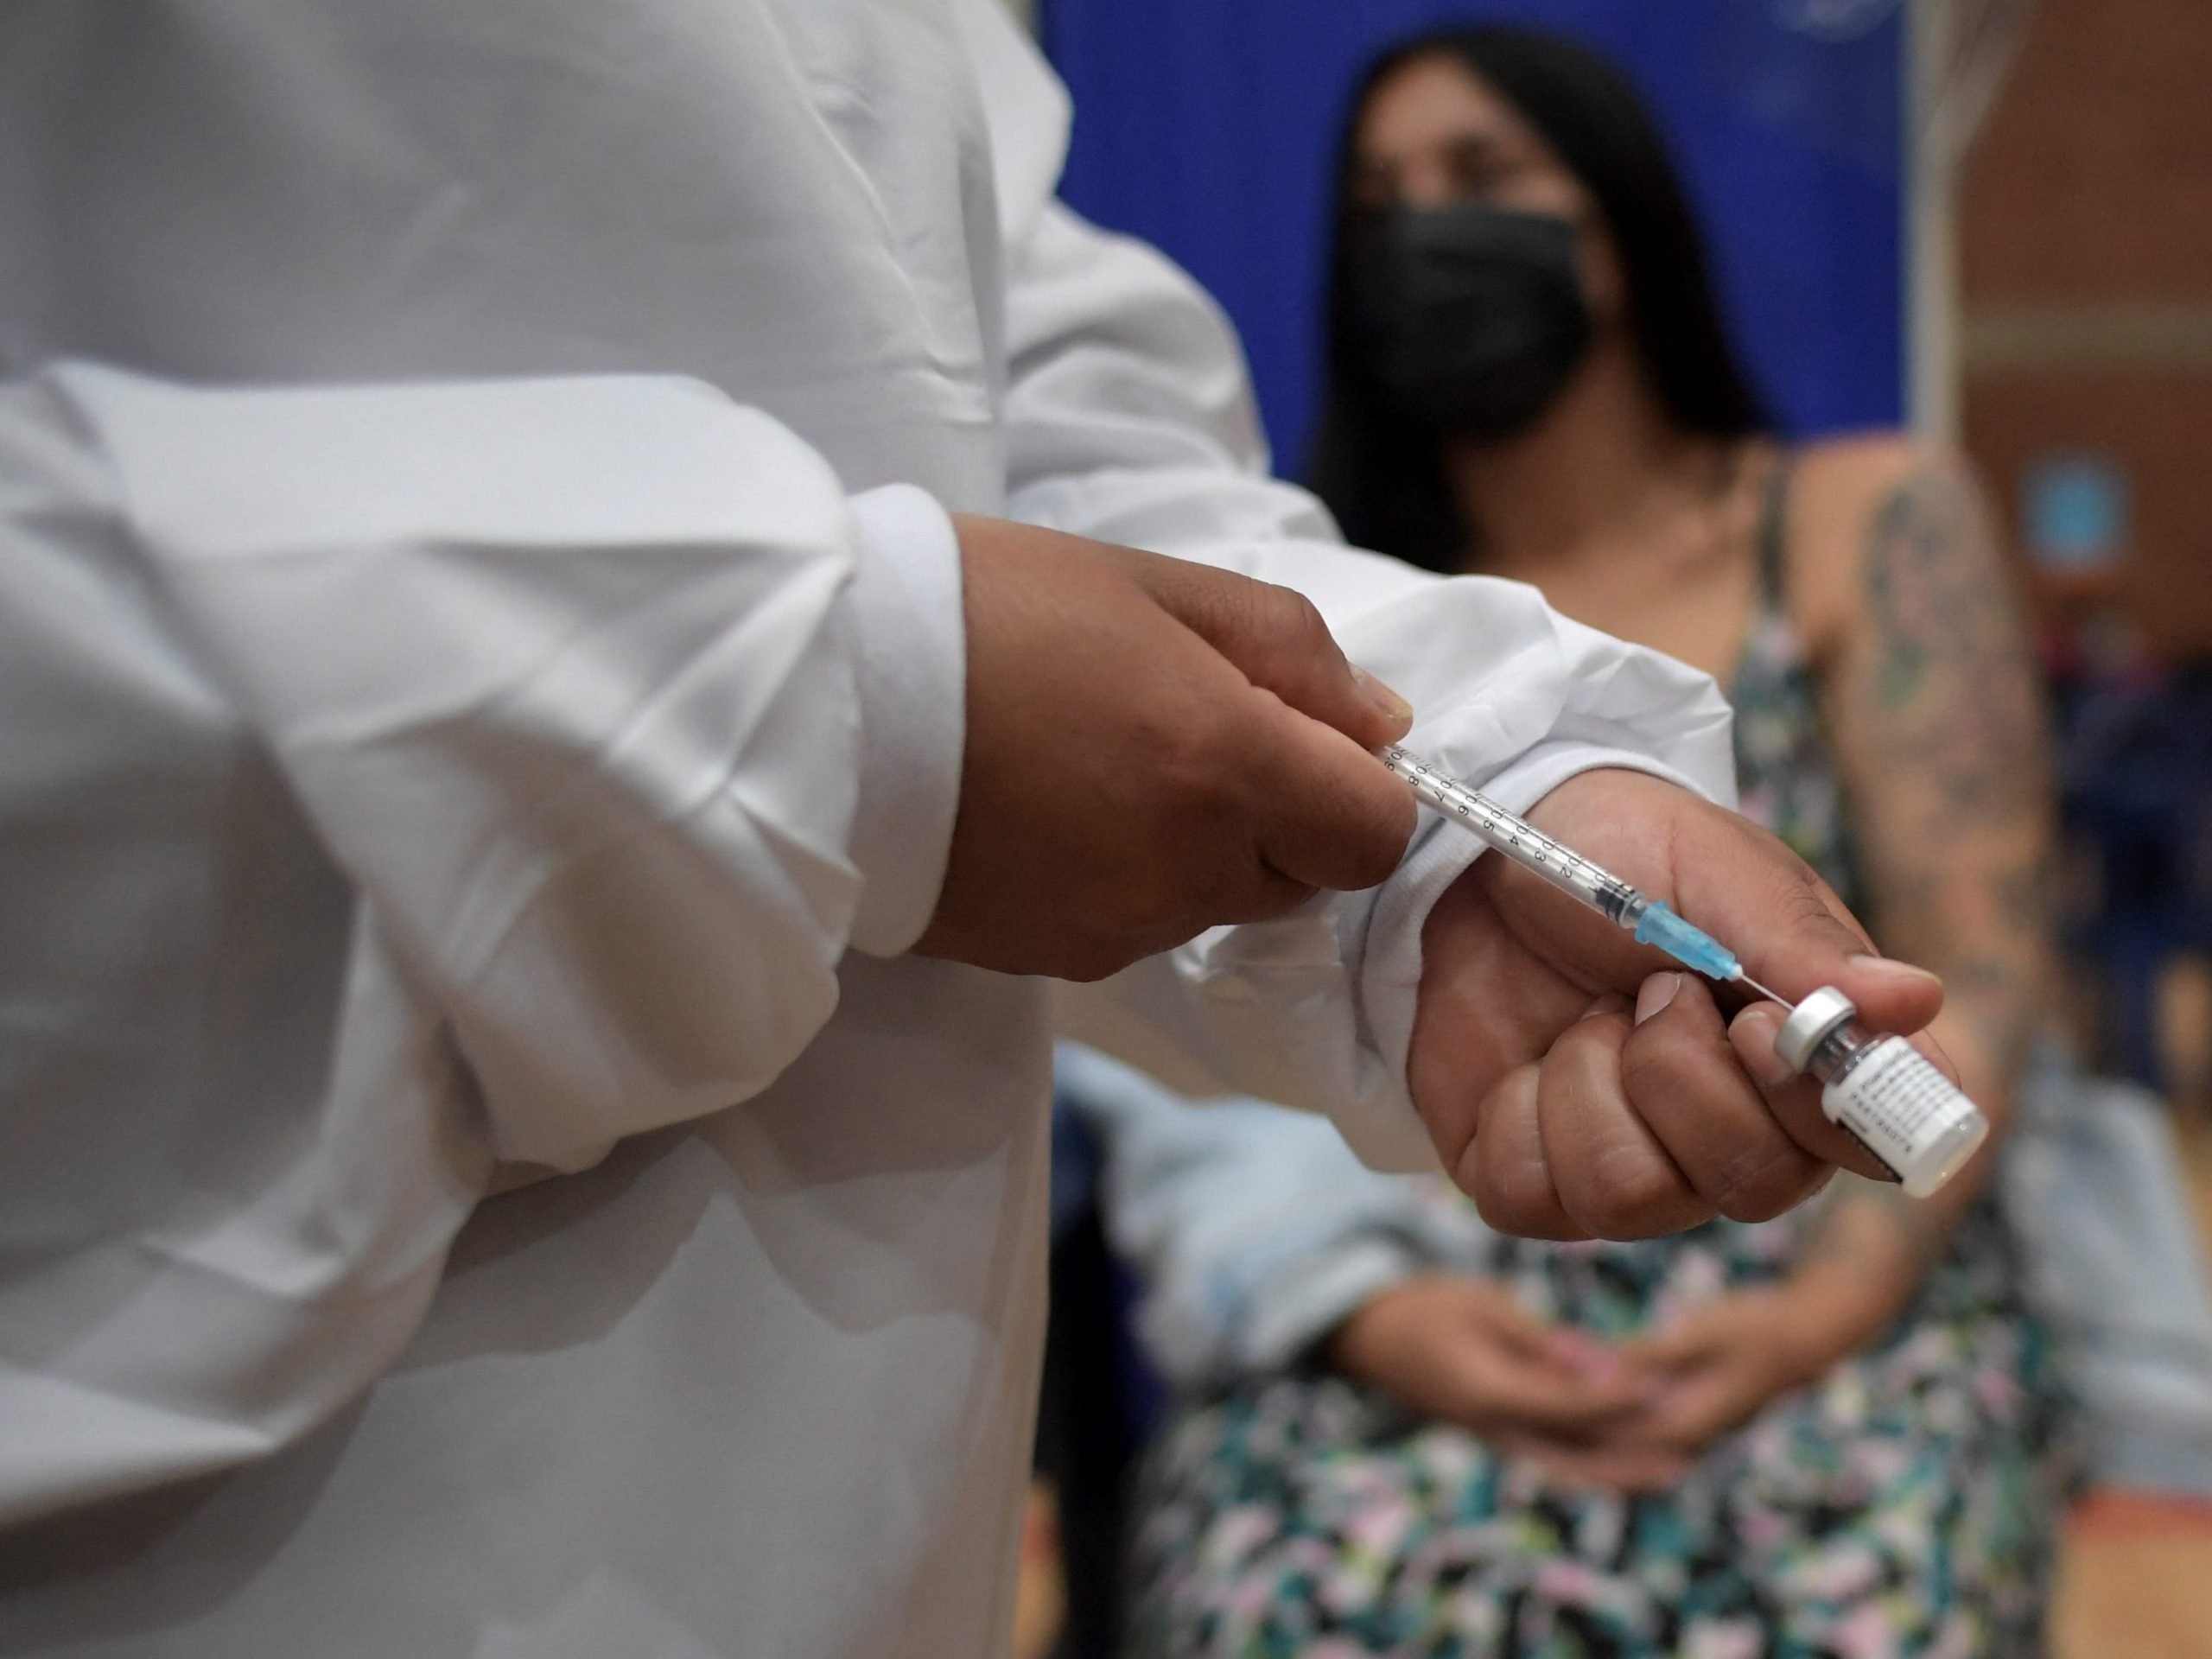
(1477, 812)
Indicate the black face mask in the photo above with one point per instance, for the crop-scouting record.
(1471, 319)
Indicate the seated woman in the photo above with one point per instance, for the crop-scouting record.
(1830, 1433)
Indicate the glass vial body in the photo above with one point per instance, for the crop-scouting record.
(1884, 1093)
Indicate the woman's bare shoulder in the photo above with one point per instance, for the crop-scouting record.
(1860, 472)
(1849, 491)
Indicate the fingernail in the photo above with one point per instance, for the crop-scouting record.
(1889, 968)
(1656, 993)
(1382, 696)
(1763, 1022)
(1611, 1003)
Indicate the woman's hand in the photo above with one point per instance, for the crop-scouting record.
(1630, 1416)
(1462, 1351)
(1717, 1367)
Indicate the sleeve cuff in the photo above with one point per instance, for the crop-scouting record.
(1302, 1301)
(905, 606)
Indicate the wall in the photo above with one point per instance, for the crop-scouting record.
(2085, 230)
(1207, 127)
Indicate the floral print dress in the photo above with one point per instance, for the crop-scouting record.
(1905, 1505)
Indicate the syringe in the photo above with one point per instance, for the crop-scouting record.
(1648, 918)
(1882, 1092)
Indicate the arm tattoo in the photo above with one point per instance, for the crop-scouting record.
(1952, 673)
(1954, 777)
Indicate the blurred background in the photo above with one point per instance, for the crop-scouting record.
(1987, 220)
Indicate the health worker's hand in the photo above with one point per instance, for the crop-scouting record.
(1567, 1110)
(1154, 748)
(1462, 1350)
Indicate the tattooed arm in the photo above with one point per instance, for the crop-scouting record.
(1933, 707)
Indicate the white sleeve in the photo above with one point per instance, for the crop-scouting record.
(625, 720)
(1129, 418)
(1253, 1230)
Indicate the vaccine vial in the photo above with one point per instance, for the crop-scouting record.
(1882, 1092)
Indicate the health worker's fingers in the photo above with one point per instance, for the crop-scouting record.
(1755, 1041)
(1281, 643)
(1327, 812)
(1795, 936)
(1732, 878)
(1234, 891)
(1151, 749)
(1791, 932)
(1612, 1173)
(1689, 1090)
(1504, 1168)
(1795, 1098)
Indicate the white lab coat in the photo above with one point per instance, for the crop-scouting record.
(481, 668)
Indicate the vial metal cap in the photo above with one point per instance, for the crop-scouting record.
(1810, 1023)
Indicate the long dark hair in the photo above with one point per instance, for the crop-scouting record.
(1382, 477)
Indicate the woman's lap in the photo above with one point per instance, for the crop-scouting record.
(1905, 1505)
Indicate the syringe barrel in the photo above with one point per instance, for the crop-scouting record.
(1648, 918)
(1516, 838)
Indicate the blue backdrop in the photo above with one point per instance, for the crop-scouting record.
(1208, 126)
